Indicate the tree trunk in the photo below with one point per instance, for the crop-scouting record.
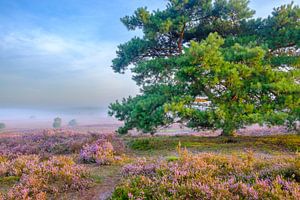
(181, 39)
(228, 133)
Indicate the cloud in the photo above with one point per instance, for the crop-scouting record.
(60, 52)
(41, 68)
(51, 44)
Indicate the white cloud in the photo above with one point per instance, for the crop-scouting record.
(48, 69)
(51, 44)
(33, 43)
(72, 54)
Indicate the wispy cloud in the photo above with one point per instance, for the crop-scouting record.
(45, 68)
(37, 48)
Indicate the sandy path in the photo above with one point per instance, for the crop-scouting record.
(107, 187)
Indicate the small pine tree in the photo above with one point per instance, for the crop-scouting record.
(2, 126)
(57, 122)
(73, 123)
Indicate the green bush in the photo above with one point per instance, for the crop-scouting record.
(73, 123)
(57, 122)
(2, 126)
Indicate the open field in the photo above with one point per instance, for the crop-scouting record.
(89, 164)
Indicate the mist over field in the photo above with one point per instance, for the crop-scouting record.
(43, 118)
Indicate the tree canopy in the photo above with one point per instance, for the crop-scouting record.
(248, 68)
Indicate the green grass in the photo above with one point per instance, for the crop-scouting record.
(267, 144)
(8, 182)
(99, 174)
(9, 179)
(172, 158)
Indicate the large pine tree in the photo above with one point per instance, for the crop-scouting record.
(249, 69)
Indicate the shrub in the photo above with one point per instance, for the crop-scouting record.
(23, 165)
(211, 176)
(141, 167)
(57, 122)
(39, 179)
(54, 142)
(100, 152)
(37, 165)
(2, 126)
(73, 123)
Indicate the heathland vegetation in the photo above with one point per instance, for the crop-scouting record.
(246, 70)
(65, 164)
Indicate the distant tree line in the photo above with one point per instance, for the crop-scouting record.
(57, 123)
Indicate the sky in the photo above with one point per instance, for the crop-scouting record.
(57, 53)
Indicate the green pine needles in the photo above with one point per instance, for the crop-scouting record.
(248, 69)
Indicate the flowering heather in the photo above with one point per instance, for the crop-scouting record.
(101, 152)
(141, 167)
(39, 179)
(52, 142)
(40, 166)
(212, 176)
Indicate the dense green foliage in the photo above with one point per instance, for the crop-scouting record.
(247, 68)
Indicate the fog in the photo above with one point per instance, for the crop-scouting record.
(43, 118)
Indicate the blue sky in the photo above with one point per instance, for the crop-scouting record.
(57, 53)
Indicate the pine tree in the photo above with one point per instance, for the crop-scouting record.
(247, 68)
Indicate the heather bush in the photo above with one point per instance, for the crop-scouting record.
(141, 167)
(40, 165)
(39, 179)
(3, 166)
(23, 165)
(101, 152)
(53, 142)
(212, 176)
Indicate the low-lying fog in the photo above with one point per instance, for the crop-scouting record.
(43, 118)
